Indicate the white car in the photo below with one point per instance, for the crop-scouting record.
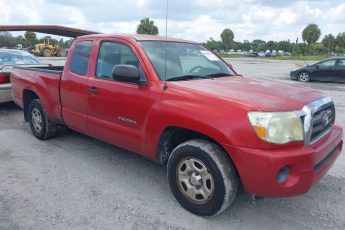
(8, 59)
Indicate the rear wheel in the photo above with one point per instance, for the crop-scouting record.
(304, 76)
(41, 126)
(202, 178)
(46, 52)
(61, 53)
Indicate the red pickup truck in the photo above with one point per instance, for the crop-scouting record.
(177, 103)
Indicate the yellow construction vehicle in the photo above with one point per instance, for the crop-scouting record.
(47, 50)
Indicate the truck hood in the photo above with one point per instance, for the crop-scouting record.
(254, 94)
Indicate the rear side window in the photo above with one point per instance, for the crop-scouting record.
(81, 57)
(341, 62)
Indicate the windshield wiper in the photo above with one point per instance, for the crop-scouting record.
(218, 75)
(187, 77)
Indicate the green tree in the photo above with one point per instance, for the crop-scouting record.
(68, 43)
(328, 43)
(30, 37)
(271, 45)
(340, 41)
(227, 38)
(258, 45)
(6, 39)
(246, 45)
(21, 40)
(284, 45)
(311, 34)
(61, 42)
(147, 27)
(213, 44)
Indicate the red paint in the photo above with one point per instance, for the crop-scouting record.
(216, 108)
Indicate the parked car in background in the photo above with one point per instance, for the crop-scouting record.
(261, 54)
(8, 59)
(267, 53)
(331, 70)
(253, 54)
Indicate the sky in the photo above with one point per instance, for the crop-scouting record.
(196, 20)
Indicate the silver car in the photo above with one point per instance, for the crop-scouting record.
(8, 59)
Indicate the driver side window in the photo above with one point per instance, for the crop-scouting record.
(111, 54)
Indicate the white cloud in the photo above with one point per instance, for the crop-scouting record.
(4, 12)
(195, 19)
(287, 17)
(337, 14)
(140, 3)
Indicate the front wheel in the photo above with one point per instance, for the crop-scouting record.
(41, 126)
(304, 76)
(46, 52)
(202, 178)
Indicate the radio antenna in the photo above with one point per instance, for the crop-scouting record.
(166, 45)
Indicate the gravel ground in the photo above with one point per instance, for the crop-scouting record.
(77, 182)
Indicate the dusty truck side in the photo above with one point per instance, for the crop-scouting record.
(177, 103)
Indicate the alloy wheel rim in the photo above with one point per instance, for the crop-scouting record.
(304, 77)
(195, 180)
(37, 120)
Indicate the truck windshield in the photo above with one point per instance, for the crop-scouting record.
(184, 61)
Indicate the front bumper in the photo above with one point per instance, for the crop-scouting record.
(5, 93)
(258, 168)
(293, 75)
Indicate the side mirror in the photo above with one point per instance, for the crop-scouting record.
(128, 73)
(317, 66)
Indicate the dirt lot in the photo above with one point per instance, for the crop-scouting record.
(77, 182)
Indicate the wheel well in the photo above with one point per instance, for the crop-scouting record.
(28, 96)
(304, 71)
(172, 137)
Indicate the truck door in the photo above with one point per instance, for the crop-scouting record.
(73, 89)
(117, 110)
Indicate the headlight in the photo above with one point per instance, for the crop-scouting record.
(277, 127)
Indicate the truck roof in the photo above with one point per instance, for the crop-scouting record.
(140, 37)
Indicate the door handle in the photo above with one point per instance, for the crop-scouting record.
(93, 90)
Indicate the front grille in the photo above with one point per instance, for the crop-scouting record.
(318, 119)
(322, 122)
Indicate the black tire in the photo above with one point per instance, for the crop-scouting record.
(61, 53)
(219, 166)
(46, 52)
(303, 76)
(48, 128)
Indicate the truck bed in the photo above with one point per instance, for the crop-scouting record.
(44, 81)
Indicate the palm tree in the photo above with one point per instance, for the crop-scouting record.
(147, 27)
(328, 43)
(340, 41)
(311, 34)
(227, 38)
